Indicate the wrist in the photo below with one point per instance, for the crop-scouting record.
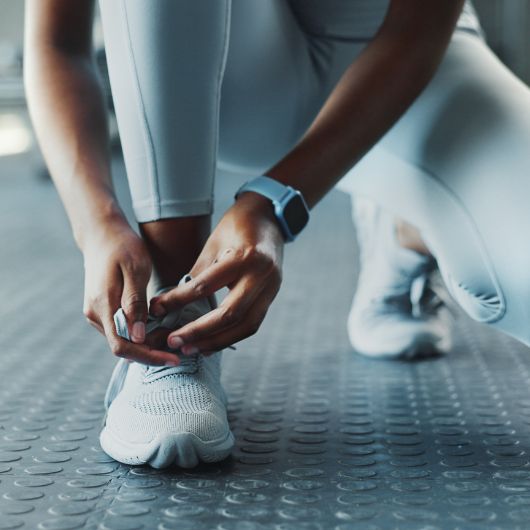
(289, 208)
(256, 204)
(97, 223)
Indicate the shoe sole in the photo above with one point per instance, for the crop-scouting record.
(423, 346)
(411, 345)
(182, 449)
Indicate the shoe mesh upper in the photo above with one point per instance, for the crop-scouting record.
(147, 402)
(386, 317)
(182, 398)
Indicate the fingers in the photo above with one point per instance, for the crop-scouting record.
(233, 308)
(140, 353)
(244, 329)
(100, 312)
(253, 275)
(96, 325)
(134, 302)
(236, 311)
(222, 272)
(107, 299)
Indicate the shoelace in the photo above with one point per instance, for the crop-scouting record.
(174, 320)
(188, 363)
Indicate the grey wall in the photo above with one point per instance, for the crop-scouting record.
(507, 27)
(11, 20)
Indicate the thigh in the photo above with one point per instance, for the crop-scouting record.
(277, 77)
(456, 165)
(284, 59)
(266, 84)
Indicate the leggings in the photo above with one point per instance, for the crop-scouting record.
(233, 84)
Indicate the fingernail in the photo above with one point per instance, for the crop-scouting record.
(189, 350)
(138, 332)
(172, 363)
(175, 342)
(158, 310)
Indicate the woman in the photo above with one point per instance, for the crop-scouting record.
(308, 89)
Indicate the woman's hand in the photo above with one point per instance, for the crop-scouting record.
(117, 270)
(244, 253)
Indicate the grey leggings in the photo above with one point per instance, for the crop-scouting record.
(203, 85)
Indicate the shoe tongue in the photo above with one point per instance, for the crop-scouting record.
(174, 320)
(188, 365)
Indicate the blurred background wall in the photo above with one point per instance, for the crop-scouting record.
(507, 27)
(12, 13)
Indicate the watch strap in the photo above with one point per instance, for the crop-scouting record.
(270, 188)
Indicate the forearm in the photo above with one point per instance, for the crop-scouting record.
(372, 95)
(68, 110)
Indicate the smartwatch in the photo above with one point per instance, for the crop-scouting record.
(290, 208)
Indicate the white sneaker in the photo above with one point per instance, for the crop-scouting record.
(394, 313)
(162, 415)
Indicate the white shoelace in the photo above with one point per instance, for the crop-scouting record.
(172, 321)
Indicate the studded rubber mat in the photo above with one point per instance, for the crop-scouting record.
(325, 438)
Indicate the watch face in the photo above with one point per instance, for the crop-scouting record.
(295, 214)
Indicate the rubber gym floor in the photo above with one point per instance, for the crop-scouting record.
(325, 438)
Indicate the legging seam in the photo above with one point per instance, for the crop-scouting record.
(146, 131)
(152, 204)
(215, 130)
